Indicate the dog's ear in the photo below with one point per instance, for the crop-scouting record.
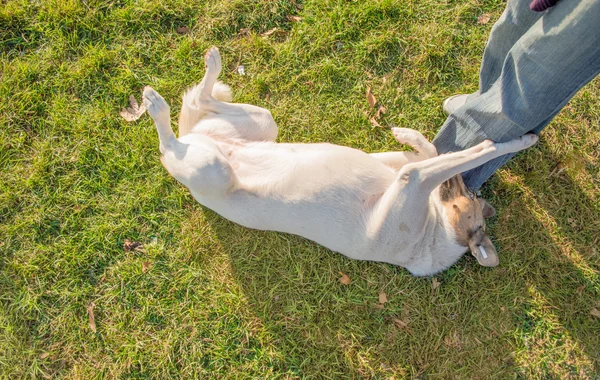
(484, 251)
(486, 209)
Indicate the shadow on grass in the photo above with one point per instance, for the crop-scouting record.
(551, 224)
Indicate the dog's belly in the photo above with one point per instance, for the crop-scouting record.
(322, 192)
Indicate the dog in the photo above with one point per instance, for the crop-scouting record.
(409, 209)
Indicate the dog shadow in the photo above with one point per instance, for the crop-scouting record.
(527, 310)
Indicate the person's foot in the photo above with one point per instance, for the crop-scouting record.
(453, 103)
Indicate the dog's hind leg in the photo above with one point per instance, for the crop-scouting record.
(205, 110)
(201, 167)
(194, 107)
(159, 110)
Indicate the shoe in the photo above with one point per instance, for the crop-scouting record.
(453, 103)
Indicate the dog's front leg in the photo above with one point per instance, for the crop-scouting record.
(433, 172)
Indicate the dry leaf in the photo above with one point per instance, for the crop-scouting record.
(435, 283)
(183, 30)
(129, 246)
(145, 266)
(580, 289)
(269, 32)
(378, 306)
(244, 32)
(310, 83)
(134, 112)
(484, 18)
(380, 111)
(44, 355)
(344, 279)
(399, 323)
(375, 123)
(382, 297)
(595, 312)
(453, 341)
(371, 98)
(90, 312)
(294, 18)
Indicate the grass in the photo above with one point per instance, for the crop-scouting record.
(210, 299)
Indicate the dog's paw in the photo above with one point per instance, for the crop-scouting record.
(156, 105)
(403, 135)
(212, 59)
(520, 143)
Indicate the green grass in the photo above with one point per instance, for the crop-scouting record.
(219, 300)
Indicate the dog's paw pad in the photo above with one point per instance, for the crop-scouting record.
(212, 59)
(155, 104)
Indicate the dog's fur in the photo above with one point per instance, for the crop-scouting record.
(406, 208)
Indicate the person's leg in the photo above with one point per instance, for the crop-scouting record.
(516, 19)
(557, 56)
(510, 27)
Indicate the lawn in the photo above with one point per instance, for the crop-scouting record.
(205, 298)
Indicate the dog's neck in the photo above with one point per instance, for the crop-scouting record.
(440, 248)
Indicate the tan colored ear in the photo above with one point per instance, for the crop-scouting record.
(486, 208)
(483, 250)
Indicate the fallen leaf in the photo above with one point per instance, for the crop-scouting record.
(344, 279)
(453, 341)
(134, 112)
(382, 297)
(183, 30)
(375, 123)
(129, 246)
(269, 32)
(580, 289)
(380, 111)
(244, 32)
(399, 323)
(435, 283)
(595, 312)
(294, 18)
(90, 312)
(378, 306)
(484, 18)
(310, 83)
(44, 355)
(371, 98)
(145, 266)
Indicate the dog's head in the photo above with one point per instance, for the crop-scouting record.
(466, 214)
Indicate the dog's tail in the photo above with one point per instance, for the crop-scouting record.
(221, 92)
(192, 110)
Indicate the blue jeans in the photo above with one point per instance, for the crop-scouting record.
(532, 65)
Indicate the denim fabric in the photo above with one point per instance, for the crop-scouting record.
(532, 65)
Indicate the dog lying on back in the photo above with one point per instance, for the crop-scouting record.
(405, 208)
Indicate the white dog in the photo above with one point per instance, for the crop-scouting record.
(404, 208)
